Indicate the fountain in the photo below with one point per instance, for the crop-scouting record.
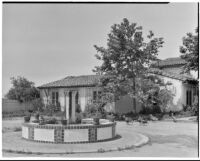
(86, 132)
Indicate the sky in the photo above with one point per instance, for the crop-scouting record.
(47, 42)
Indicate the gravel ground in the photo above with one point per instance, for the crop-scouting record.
(167, 139)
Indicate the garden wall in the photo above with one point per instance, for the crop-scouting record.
(14, 106)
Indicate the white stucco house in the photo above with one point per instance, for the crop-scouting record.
(184, 86)
(73, 90)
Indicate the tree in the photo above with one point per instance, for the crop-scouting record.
(190, 52)
(126, 58)
(154, 92)
(22, 90)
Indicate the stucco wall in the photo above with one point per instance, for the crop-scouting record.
(85, 95)
(177, 89)
(125, 105)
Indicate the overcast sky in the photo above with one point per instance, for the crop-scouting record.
(47, 42)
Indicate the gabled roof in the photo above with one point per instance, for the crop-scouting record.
(92, 80)
(169, 62)
(168, 74)
(74, 81)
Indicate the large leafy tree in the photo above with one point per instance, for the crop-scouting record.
(189, 51)
(22, 90)
(126, 58)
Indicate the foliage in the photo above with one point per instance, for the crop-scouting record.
(79, 117)
(78, 108)
(38, 104)
(154, 93)
(190, 52)
(126, 58)
(51, 121)
(95, 109)
(195, 106)
(79, 114)
(151, 110)
(51, 109)
(22, 90)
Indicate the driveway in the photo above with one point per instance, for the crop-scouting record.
(167, 139)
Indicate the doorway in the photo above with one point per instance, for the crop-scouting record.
(70, 105)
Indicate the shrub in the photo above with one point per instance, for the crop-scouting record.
(78, 108)
(37, 104)
(151, 110)
(17, 129)
(79, 117)
(50, 109)
(118, 117)
(185, 107)
(51, 121)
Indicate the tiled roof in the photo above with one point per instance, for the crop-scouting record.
(168, 74)
(74, 81)
(169, 62)
(92, 80)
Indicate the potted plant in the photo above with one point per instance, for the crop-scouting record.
(41, 120)
(37, 115)
(27, 117)
(63, 121)
(96, 118)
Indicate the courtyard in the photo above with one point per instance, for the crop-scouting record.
(166, 139)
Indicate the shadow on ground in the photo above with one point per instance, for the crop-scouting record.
(184, 140)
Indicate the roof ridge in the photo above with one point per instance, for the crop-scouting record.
(75, 76)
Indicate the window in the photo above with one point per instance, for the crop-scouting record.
(94, 95)
(97, 95)
(55, 97)
(189, 97)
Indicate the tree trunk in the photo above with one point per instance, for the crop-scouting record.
(134, 100)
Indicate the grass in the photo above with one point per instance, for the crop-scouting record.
(13, 129)
(17, 129)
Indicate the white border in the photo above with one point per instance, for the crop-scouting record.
(73, 158)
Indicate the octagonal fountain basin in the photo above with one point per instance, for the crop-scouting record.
(66, 134)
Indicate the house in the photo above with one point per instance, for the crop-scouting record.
(70, 91)
(184, 86)
(73, 90)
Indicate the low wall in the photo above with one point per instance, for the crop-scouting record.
(82, 133)
(14, 106)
